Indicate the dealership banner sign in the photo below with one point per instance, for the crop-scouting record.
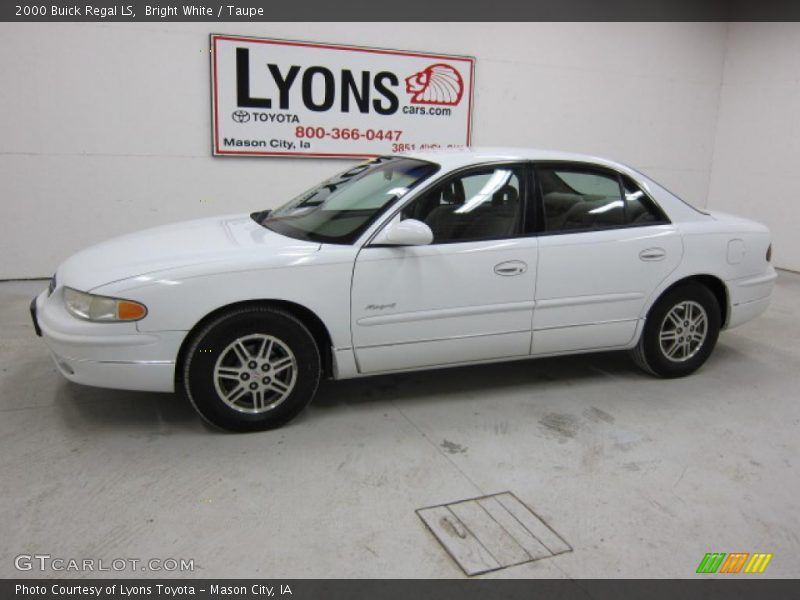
(286, 98)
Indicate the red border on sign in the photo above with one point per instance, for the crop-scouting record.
(215, 37)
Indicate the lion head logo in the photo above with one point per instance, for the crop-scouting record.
(438, 84)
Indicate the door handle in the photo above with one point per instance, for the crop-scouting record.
(652, 254)
(510, 267)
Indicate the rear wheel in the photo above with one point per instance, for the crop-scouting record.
(680, 332)
(252, 369)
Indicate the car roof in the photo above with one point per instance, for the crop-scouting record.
(453, 158)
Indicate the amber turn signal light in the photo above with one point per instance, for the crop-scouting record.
(130, 311)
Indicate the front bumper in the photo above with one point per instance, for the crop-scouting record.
(113, 355)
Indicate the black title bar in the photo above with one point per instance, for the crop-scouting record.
(398, 10)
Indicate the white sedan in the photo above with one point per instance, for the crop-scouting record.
(400, 263)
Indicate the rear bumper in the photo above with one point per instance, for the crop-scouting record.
(747, 311)
(114, 355)
(750, 296)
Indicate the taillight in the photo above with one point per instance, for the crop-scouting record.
(769, 253)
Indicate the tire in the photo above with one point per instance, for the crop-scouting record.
(251, 369)
(682, 350)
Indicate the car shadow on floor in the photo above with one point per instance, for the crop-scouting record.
(83, 407)
(477, 380)
(87, 407)
(98, 408)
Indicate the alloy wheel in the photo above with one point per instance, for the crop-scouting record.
(683, 331)
(255, 373)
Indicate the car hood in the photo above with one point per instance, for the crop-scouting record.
(218, 242)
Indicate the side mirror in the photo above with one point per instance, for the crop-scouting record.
(408, 232)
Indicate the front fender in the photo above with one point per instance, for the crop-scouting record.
(176, 302)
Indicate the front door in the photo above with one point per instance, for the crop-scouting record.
(468, 296)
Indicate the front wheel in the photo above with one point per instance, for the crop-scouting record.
(251, 369)
(680, 332)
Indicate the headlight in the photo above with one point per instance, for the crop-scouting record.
(102, 308)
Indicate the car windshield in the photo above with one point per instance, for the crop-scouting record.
(341, 208)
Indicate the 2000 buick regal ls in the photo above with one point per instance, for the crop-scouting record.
(401, 263)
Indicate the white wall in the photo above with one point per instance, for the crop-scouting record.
(105, 128)
(756, 168)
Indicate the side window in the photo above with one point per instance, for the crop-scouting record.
(575, 199)
(483, 204)
(639, 209)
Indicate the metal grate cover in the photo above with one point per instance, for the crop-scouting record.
(492, 532)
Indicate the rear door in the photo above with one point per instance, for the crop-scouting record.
(604, 246)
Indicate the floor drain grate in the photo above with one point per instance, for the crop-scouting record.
(492, 532)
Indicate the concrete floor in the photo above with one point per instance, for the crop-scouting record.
(641, 476)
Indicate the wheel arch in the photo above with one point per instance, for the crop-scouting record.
(305, 315)
(714, 284)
